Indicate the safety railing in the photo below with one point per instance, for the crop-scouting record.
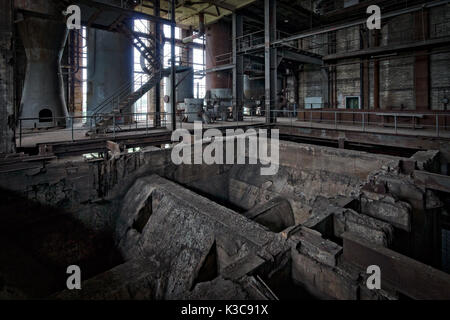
(406, 123)
(77, 127)
(414, 123)
(123, 91)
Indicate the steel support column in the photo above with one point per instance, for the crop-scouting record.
(157, 13)
(422, 62)
(376, 72)
(270, 58)
(238, 69)
(173, 98)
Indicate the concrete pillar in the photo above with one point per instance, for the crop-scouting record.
(7, 143)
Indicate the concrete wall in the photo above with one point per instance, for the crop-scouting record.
(7, 143)
(305, 174)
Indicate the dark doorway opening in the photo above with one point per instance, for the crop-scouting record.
(45, 115)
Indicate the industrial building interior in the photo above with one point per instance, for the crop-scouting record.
(87, 176)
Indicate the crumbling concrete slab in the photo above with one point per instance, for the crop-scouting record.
(242, 267)
(181, 229)
(321, 280)
(368, 228)
(219, 289)
(428, 160)
(133, 280)
(387, 209)
(312, 244)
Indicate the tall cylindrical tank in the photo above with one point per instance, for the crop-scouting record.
(218, 52)
(110, 68)
(184, 80)
(44, 41)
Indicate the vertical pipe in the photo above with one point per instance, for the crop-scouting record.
(235, 72)
(238, 69)
(270, 57)
(173, 71)
(157, 118)
(363, 124)
(267, 58)
(437, 125)
(114, 125)
(395, 123)
(335, 120)
(376, 72)
(422, 62)
(273, 59)
(20, 134)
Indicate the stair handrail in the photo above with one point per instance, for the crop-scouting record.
(154, 71)
(122, 90)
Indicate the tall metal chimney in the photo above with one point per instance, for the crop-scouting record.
(44, 41)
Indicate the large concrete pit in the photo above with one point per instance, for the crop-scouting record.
(143, 228)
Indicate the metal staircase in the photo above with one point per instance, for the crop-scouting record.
(126, 96)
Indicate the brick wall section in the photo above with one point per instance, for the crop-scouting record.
(440, 80)
(348, 81)
(397, 84)
(310, 83)
(440, 63)
(7, 144)
(397, 74)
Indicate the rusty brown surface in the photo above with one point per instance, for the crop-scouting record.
(218, 42)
